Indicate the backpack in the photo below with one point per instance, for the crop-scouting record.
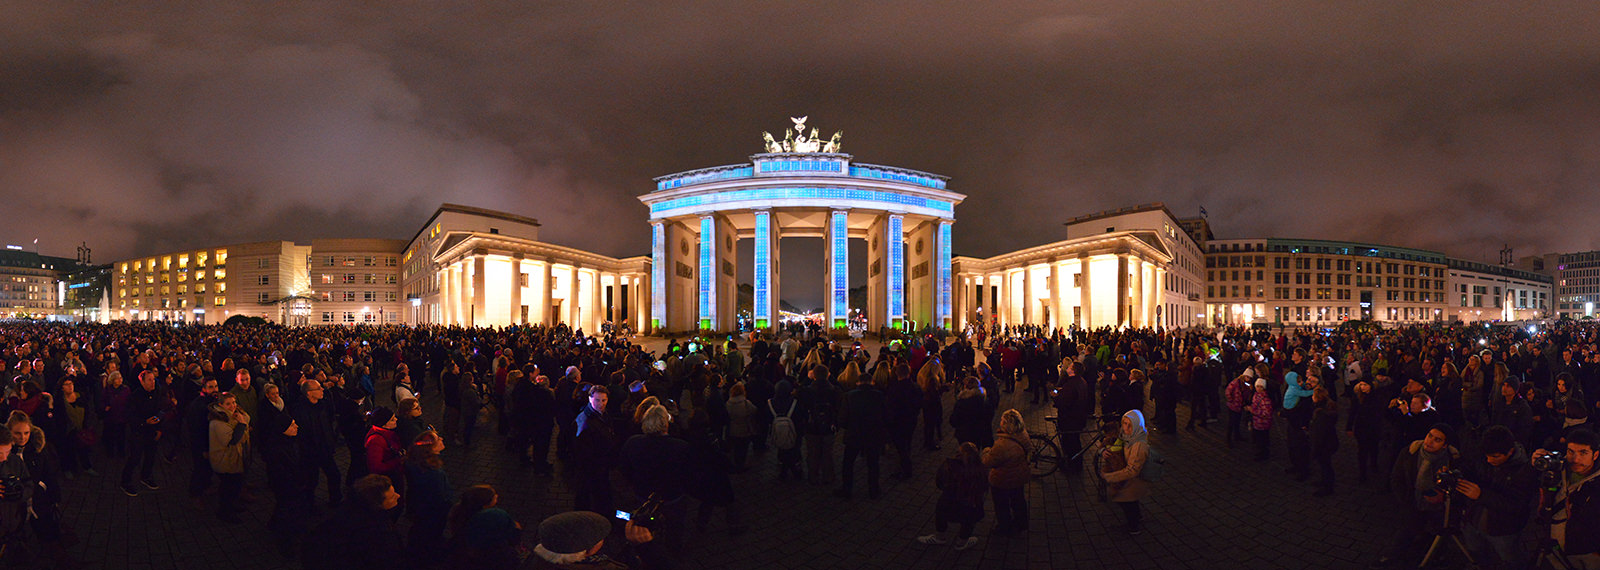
(1155, 466)
(783, 432)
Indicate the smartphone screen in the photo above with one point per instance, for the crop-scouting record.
(624, 515)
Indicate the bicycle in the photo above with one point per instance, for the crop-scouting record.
(1045, 457)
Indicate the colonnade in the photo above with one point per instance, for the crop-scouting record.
(484, 288)
(1089, 291)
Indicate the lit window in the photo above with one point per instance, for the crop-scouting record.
(221, 273)
(221, 301)
(222, 257)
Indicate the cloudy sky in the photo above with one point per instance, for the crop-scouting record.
(146, 127)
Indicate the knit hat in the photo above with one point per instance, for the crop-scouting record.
(380, 416)
(1261, 383)
(1449, 432)
(573, 532)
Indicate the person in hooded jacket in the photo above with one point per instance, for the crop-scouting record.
(1007, 461)
(44, 471)
(1126, 484)
(1496, 493)
(229, 447)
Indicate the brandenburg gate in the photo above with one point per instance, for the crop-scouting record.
(802, 186)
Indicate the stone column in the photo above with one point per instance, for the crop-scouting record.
(1084, 291)
(1003, 308)
(764, 310)
(516, 289)
(573, 311)
(1028, 300)
(1055, 295)
(708, 273)
(546, 315)
(942, 277)
(659, 266)
(596, 312)
(479, 288)
(1164, 316)
(1122, 289)
(838, 262)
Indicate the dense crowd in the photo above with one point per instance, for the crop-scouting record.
(1445, 419)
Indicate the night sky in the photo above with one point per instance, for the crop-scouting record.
(141, 130)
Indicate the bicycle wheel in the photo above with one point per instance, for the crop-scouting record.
(1045, 457)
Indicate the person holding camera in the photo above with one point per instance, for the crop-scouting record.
(1414, 484)
(1497, 493)
(1575, 512)
(574, 540)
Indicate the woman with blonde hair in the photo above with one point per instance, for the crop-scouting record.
(850, 376)
(1007, 461)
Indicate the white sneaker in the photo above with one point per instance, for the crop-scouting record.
(970, 542)
(930, 539)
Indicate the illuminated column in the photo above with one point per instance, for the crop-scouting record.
(546, 315)
(658, 278)
(1055, 295)
(479, 289)
(1136, 292)
(442, 275)
(838, 268)
(1028, 300)
(1122, 289)
(458, 293)
(1003, 308)
(763, 306)
(1084, 290)
(516, 289)
(572, 310)
(596, 305)
(942, 306)
(1163, 317)
(641, 300)
(894, 238)
(708, 273)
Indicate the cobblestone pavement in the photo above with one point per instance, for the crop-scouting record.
(1215, 509)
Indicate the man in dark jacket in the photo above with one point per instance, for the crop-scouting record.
(1497, 493)
(314, 414)
(864, 419)
(144, 430)
(1577, 502)
(1419, 503)
(536, 408)
(361, 535)
(197, 428)
(904, 402)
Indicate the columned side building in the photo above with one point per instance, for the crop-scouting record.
(475, 267)
(1134, 267)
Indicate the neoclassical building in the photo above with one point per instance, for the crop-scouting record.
(475, 267)
(801, 187)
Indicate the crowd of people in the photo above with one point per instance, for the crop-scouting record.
(1449, 420)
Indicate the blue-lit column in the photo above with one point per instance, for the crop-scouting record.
(763, 270)
(941, 306)
(708, 273)
(658, 275)
(839, 269)
(894, 238)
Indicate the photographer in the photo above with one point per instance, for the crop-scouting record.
(1417, 496)
(1497, 493)
(1575, 514)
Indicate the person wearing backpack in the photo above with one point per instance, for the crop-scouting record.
(1127, 483)
(785, 433)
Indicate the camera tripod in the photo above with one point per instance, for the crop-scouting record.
(1450, 530)
(1550, 555)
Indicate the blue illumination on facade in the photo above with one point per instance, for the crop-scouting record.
(895, 241)
(840, 236)
(664, 208)
(708, 273)
(658, 274)
(763, 304)
(801, 166)
(865, 171)
(942, 308)
(709, 175)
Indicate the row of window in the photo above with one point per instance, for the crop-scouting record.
(199, 288)
(351, 317)
(365, 279)
(361, 261)
(182, 275)
(360, 296)
(200, 259)
(167, 303)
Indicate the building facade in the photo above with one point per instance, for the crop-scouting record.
(354, 281)
(1482, 292)
(475, 267)
(1576, 278)
(1304, 282)
(31, 285)
(801, 187)
(209, 285)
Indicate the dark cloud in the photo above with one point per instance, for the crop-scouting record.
(149, 127)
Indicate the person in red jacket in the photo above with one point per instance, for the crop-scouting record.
(385, 452)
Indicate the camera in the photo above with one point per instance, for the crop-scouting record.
(1551, 466)
(1445, 480)
(648, 515)
(12, 489)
